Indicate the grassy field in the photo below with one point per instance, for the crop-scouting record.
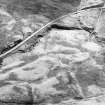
(48, 8)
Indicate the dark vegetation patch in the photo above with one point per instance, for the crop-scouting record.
(10, 46)
(36, 81)
(61, 27)
(4, 83)
(18, 89)
(14, 67)
(13, 76)
(48, 8)
(91, 77)
(30, 58)
(28, 68)
(57, 98)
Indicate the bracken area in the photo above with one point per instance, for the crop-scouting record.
(52, 52)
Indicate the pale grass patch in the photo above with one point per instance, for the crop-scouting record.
(91, 46)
